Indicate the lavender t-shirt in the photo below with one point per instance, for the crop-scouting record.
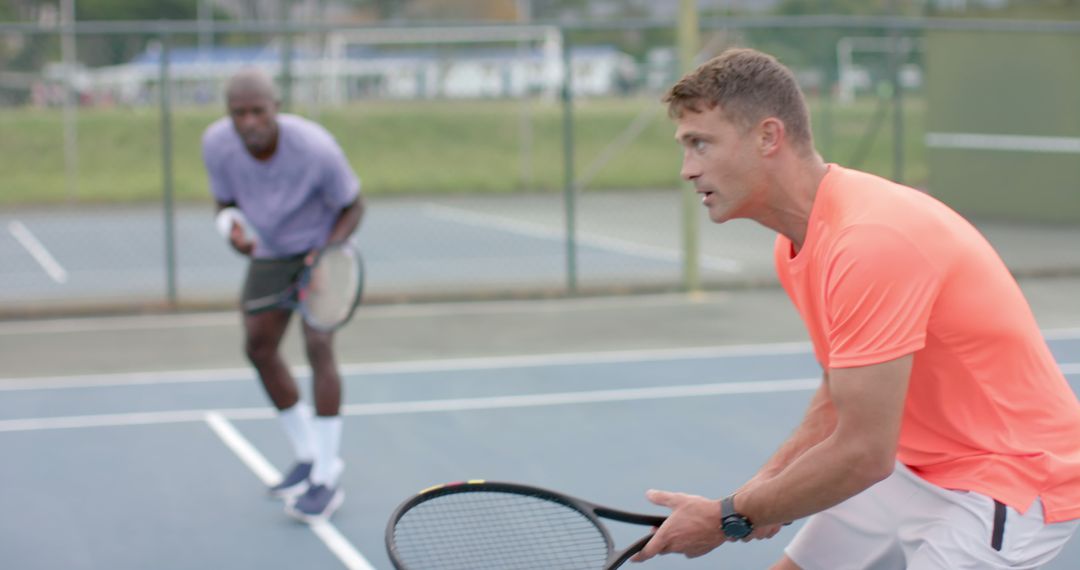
(291, 200)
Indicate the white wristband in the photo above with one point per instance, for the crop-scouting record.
(225, 219)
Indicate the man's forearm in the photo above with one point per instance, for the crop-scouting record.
(817, 424)
(867, 403)
(805, 487)
(347, 222)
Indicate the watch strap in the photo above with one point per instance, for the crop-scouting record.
(727, 506)
(732, 523)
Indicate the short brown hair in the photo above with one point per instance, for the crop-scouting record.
(748, 86)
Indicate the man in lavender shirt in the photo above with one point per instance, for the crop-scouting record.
(290, 180)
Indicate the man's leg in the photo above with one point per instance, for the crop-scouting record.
(959, 530)
(857, 534)
(324, 496)
(327, 380)
(264, 332)
(785, 563)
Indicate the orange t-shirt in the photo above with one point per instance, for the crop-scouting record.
(887, 271)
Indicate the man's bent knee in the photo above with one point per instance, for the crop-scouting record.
(260, 350)
(319, 346)
(785, 563)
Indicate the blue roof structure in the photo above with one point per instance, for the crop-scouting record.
(217, 54)
(271, 54)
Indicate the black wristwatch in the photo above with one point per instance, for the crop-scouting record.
(734, 525)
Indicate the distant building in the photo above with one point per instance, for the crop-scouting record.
(367, 72)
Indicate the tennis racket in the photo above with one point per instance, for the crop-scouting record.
(487, 525)
(326, 292)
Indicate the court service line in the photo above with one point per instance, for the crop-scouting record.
(37, 251)
(327, 532)
(407, 367)
(1015, 143)
(1062, 334)
(529, 229)
(427, 406)
(417, 367)
(443, 405)
(370, 312)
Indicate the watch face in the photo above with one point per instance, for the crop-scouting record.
(736, 527)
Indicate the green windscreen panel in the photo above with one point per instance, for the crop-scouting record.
(1003, 124)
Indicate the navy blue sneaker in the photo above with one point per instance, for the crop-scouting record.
(295, 483)
(316, 504)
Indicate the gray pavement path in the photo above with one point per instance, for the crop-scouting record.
(450, 330)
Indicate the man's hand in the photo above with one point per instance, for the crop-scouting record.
(239, 240)
(692, 529)
(764, 532)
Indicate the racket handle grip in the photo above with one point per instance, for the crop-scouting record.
(629, 552)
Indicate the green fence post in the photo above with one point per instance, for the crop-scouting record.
(68, 48)
(689, 41)
(895, 63)
(287, 72)
(167, 174)
(569, 188)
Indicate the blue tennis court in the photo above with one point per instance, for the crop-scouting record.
(166, 468)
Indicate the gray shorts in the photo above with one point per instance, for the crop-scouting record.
(267, 278)
(907, 523)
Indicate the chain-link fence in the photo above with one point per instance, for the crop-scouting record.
(495, 159)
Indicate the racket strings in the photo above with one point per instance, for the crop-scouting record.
(489, 530)
(332, 289)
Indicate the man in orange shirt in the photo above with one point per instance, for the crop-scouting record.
(943, 434)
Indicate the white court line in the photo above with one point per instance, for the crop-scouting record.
(37, 251)
(340, 546)
(470, 218)
(1016, 143)
(327, 532)
(243, 448)
(443, 405)
(1062, 334)
(418, 366)
(405, 367)
(427, 406)
(370, 312)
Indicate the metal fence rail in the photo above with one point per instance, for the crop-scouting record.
(585, 209)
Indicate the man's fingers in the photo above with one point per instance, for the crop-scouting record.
(662, 498)
(652, 548)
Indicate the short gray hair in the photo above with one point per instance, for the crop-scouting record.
(251, 80)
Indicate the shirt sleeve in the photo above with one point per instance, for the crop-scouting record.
(879, 289)
(219, 185)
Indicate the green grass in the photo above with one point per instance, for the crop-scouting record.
(401, 148)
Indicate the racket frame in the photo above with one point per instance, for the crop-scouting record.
(305, 279)
(292, 298)
(589, 510)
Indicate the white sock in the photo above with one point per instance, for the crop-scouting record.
(328, 463)
(297, 424)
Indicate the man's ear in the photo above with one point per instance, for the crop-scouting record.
(771, 134)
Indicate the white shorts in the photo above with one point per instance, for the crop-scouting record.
(905, 522)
